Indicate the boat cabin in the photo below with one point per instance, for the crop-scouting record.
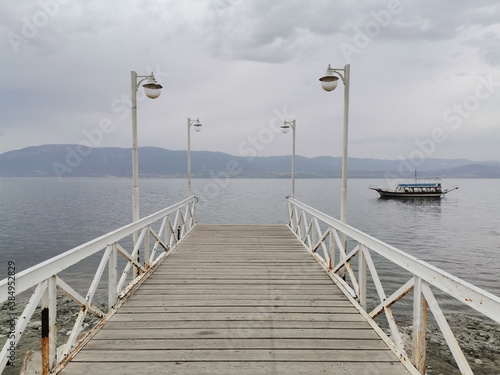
(420, 188)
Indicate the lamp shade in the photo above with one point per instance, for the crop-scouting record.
(285, 128)
(197, 125)
(329, 82)
(152, 89)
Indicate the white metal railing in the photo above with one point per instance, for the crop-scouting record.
(323, 236)
(174, 223)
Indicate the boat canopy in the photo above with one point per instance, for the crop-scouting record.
(426, 185)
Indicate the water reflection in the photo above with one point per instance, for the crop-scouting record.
(414, 201)
(399, 207)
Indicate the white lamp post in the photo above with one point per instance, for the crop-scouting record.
(329, 83)
(284, 128)
(197, 127)
(152, 90)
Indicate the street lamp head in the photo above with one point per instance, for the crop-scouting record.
(152, 89)
(197, 125)
(329, 80)
(285, 127)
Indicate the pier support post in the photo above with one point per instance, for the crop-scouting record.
(419, 327)
(112, 276)
(49, 333)
(362, 274)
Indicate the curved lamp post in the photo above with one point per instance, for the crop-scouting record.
(197, 127)
(285, 128)
(329, 83)
(152, 90)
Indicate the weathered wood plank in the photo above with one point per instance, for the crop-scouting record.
(164, 279)
(247, 343)
(348, 355)
(283, 333)
(235, 367)
(255, 316)
(236, 301)
(217, 282)
(153, 309)
(232, 324)
(285, 290)
(253, 293)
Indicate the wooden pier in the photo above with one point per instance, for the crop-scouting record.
(237, 299)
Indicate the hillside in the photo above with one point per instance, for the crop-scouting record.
(77, 161)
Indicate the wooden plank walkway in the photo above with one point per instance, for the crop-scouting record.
(237, 299)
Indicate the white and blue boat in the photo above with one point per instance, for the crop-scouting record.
(414, 190)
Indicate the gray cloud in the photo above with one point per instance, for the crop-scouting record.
(233, 63)
(488, 47)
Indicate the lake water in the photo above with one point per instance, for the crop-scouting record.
(459, 234)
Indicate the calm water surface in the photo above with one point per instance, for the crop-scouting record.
(41, 218)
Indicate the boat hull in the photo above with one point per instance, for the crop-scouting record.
(397, 194)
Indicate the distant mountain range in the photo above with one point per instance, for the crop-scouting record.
(78, 161)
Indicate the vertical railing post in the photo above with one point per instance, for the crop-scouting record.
(167, 235)
(331, 248)
(112, 276)
(314, 231)
(288, 214)
(193, 216)
(419, 326)
(296, 225)
(342, 252)
(300, 219)
(49, 333)
(362, 273)
(291, 216)
(146, 249)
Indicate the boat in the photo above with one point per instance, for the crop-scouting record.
(414, 190)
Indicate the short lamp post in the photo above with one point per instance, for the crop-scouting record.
(197, 127)
(152, 90)
(285, 128)
(329, 83)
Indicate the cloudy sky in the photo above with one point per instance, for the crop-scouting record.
(425, 75)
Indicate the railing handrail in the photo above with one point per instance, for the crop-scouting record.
(36, 274)
(467, 293)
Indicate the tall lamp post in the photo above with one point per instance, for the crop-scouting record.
(329, 83)
(152, 90)
(197, 127)
(285, 128)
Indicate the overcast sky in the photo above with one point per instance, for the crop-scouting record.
(425, 75)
